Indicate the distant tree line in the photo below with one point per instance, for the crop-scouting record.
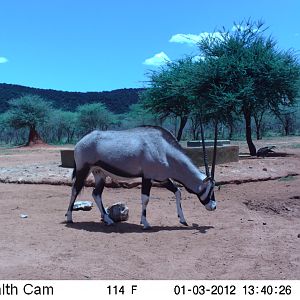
(117, 101)
(240, 83)
(56, 126)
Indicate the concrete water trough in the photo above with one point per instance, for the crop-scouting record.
(208, 143)
(225, 153)
(67, 158)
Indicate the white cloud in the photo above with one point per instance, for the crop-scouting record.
(193, 38)
(238, 28)
(157, 60)
(3, 60)
(184, 38)
(198, 58)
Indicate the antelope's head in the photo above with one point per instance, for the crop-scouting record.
(206, 194)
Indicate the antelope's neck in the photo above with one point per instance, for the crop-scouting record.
(188, 174)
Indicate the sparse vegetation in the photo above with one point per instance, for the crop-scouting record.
(242, 82)
(242, 75)
(29, 112)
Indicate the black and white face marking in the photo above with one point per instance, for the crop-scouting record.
(206, 195)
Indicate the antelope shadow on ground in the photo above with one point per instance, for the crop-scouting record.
(126, 227)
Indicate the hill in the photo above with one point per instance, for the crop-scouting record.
(118, 101)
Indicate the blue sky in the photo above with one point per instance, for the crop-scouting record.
(96, 45)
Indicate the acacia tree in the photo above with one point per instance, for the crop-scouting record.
(138, 115)
(94, 116)
(252, 71)
(61, 126)
(213, 100)
(29, 111)
(168, 94)
(68, 122)
(287, 117)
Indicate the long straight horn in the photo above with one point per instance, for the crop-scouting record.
(214, 158)
(204, 149)
(215, 151)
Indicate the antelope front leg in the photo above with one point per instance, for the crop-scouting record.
(179, 208)
(170, 185)
(97, 195)
(146, 186)
(107, 220)
(145, 201)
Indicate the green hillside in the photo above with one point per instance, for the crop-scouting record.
(118, 101)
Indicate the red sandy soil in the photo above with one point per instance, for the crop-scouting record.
(253, 234)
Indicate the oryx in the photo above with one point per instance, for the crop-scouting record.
(149, 152)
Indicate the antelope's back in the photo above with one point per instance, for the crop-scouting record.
(137, 151)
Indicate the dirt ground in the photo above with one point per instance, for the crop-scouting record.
(253, 234)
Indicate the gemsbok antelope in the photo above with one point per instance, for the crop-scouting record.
(149, 152)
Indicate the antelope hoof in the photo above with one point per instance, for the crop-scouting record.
(69, 218)
(108, 221)
(148, 227)
(184, 223)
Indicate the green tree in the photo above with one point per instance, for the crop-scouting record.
(168, 94)
(251, 72)
(29, 111)
(287, 118)
(94, 116)
(138, 116)
(61, 126)
(214, 101)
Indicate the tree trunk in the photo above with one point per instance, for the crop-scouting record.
(257, 121)
(194, 133)
(251, 146)
(183, 121)
(70, 134)
(194, 128)
(258, 136)
(230, 133)
(287, 128)
(288, 125)
(59, 135)
(34, 138)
